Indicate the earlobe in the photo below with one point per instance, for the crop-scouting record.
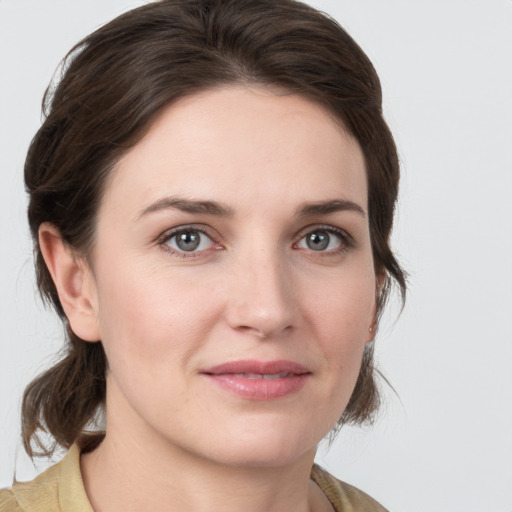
(371, 333)
(74, 283)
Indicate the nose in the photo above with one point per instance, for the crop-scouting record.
(261, 297)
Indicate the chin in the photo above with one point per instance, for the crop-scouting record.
(264, 446)
(258, 456)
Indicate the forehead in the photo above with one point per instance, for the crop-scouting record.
(237, 143)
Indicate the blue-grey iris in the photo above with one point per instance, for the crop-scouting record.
(188, 240)
(318, 241)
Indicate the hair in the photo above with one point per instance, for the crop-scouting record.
(113, 84)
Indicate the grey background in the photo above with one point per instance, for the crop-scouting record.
(446, 443)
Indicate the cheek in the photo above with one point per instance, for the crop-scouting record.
(341, 330)
(149, 320)
(344, 306)
(341, 315)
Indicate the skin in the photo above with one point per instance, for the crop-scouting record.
(254, 289)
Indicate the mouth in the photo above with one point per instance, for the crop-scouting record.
(267, 376)
(258, 380)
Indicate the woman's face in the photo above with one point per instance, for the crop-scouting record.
(233, 282)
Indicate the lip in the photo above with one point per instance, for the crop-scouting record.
(258, 380)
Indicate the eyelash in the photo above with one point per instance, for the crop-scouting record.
(347, 242)
(166, 237)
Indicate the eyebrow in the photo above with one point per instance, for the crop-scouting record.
(220, 210)
(326, 207)
(189, 206)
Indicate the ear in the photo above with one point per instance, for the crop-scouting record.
(74, 283)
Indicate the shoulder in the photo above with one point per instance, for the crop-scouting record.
(344, 497)
(38, 495)
(58, 488)
(8, 502)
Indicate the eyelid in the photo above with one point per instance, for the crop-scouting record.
(205, 230)
(347, 239)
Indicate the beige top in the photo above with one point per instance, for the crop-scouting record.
(61, 489)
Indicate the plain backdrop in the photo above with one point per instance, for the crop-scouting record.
(444, 443)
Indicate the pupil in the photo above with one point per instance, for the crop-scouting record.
(318, 241)
(188, 241)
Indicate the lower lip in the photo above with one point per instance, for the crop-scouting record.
(259, 389)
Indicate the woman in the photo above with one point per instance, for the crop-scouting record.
(211, 199)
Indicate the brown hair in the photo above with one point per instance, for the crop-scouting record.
(114, 83)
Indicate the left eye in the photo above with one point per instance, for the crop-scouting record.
(321, 240)
(189, 240)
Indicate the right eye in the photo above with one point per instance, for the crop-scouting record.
(188, 240)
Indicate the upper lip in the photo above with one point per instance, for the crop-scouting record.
(253, 366)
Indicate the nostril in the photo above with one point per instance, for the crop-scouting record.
(253, 330)
(259, 309)
(262, 333)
